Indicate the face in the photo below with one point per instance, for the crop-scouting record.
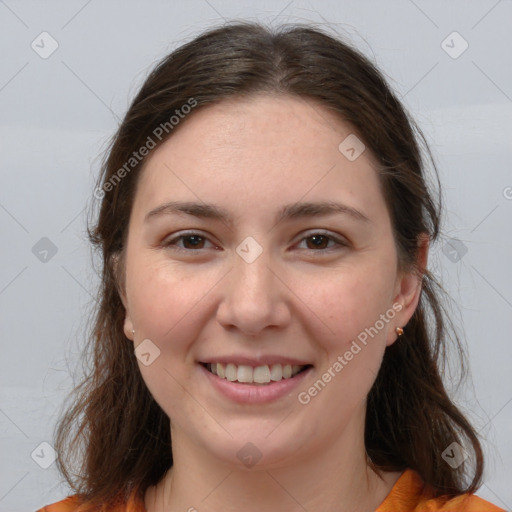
(257, 249)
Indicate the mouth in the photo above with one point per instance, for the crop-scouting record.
(260, 375)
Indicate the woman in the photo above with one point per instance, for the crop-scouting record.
(268, 335)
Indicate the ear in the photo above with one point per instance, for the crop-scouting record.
(118, 269)
(408, 289)
(128, 327)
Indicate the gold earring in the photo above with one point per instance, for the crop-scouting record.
(399, 331)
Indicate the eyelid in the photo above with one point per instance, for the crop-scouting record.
(338, 239)
(176, 237)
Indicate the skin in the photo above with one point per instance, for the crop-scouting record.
(251, 157)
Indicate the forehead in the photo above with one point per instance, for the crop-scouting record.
(241, 122)
(259, 151)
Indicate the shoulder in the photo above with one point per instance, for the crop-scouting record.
(66, 505)
(410, 495)
(73, 504)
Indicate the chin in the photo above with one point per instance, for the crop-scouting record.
(254, 448)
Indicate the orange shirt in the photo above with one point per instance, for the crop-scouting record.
(407, 495)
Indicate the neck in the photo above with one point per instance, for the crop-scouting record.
(334, 479)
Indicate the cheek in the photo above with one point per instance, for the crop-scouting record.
(357, 313)
(164, 303)
(168, 308)
(349, 303)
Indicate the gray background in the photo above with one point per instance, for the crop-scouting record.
(57, 113)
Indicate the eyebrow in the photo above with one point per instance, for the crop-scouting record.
(288, 212)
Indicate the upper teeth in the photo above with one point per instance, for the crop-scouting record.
(247, 374)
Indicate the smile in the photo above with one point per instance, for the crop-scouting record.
(246, 374)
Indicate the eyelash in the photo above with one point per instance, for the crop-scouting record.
(172, 242)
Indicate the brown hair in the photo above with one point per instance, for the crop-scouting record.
(116, 430)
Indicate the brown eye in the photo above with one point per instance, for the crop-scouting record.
(187, 242)
(193, 242)
(320, 241)
(317, 242)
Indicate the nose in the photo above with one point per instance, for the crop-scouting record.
(254, 298)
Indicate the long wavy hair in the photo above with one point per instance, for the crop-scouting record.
(113, 437)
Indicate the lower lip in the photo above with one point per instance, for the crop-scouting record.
(255, 393)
